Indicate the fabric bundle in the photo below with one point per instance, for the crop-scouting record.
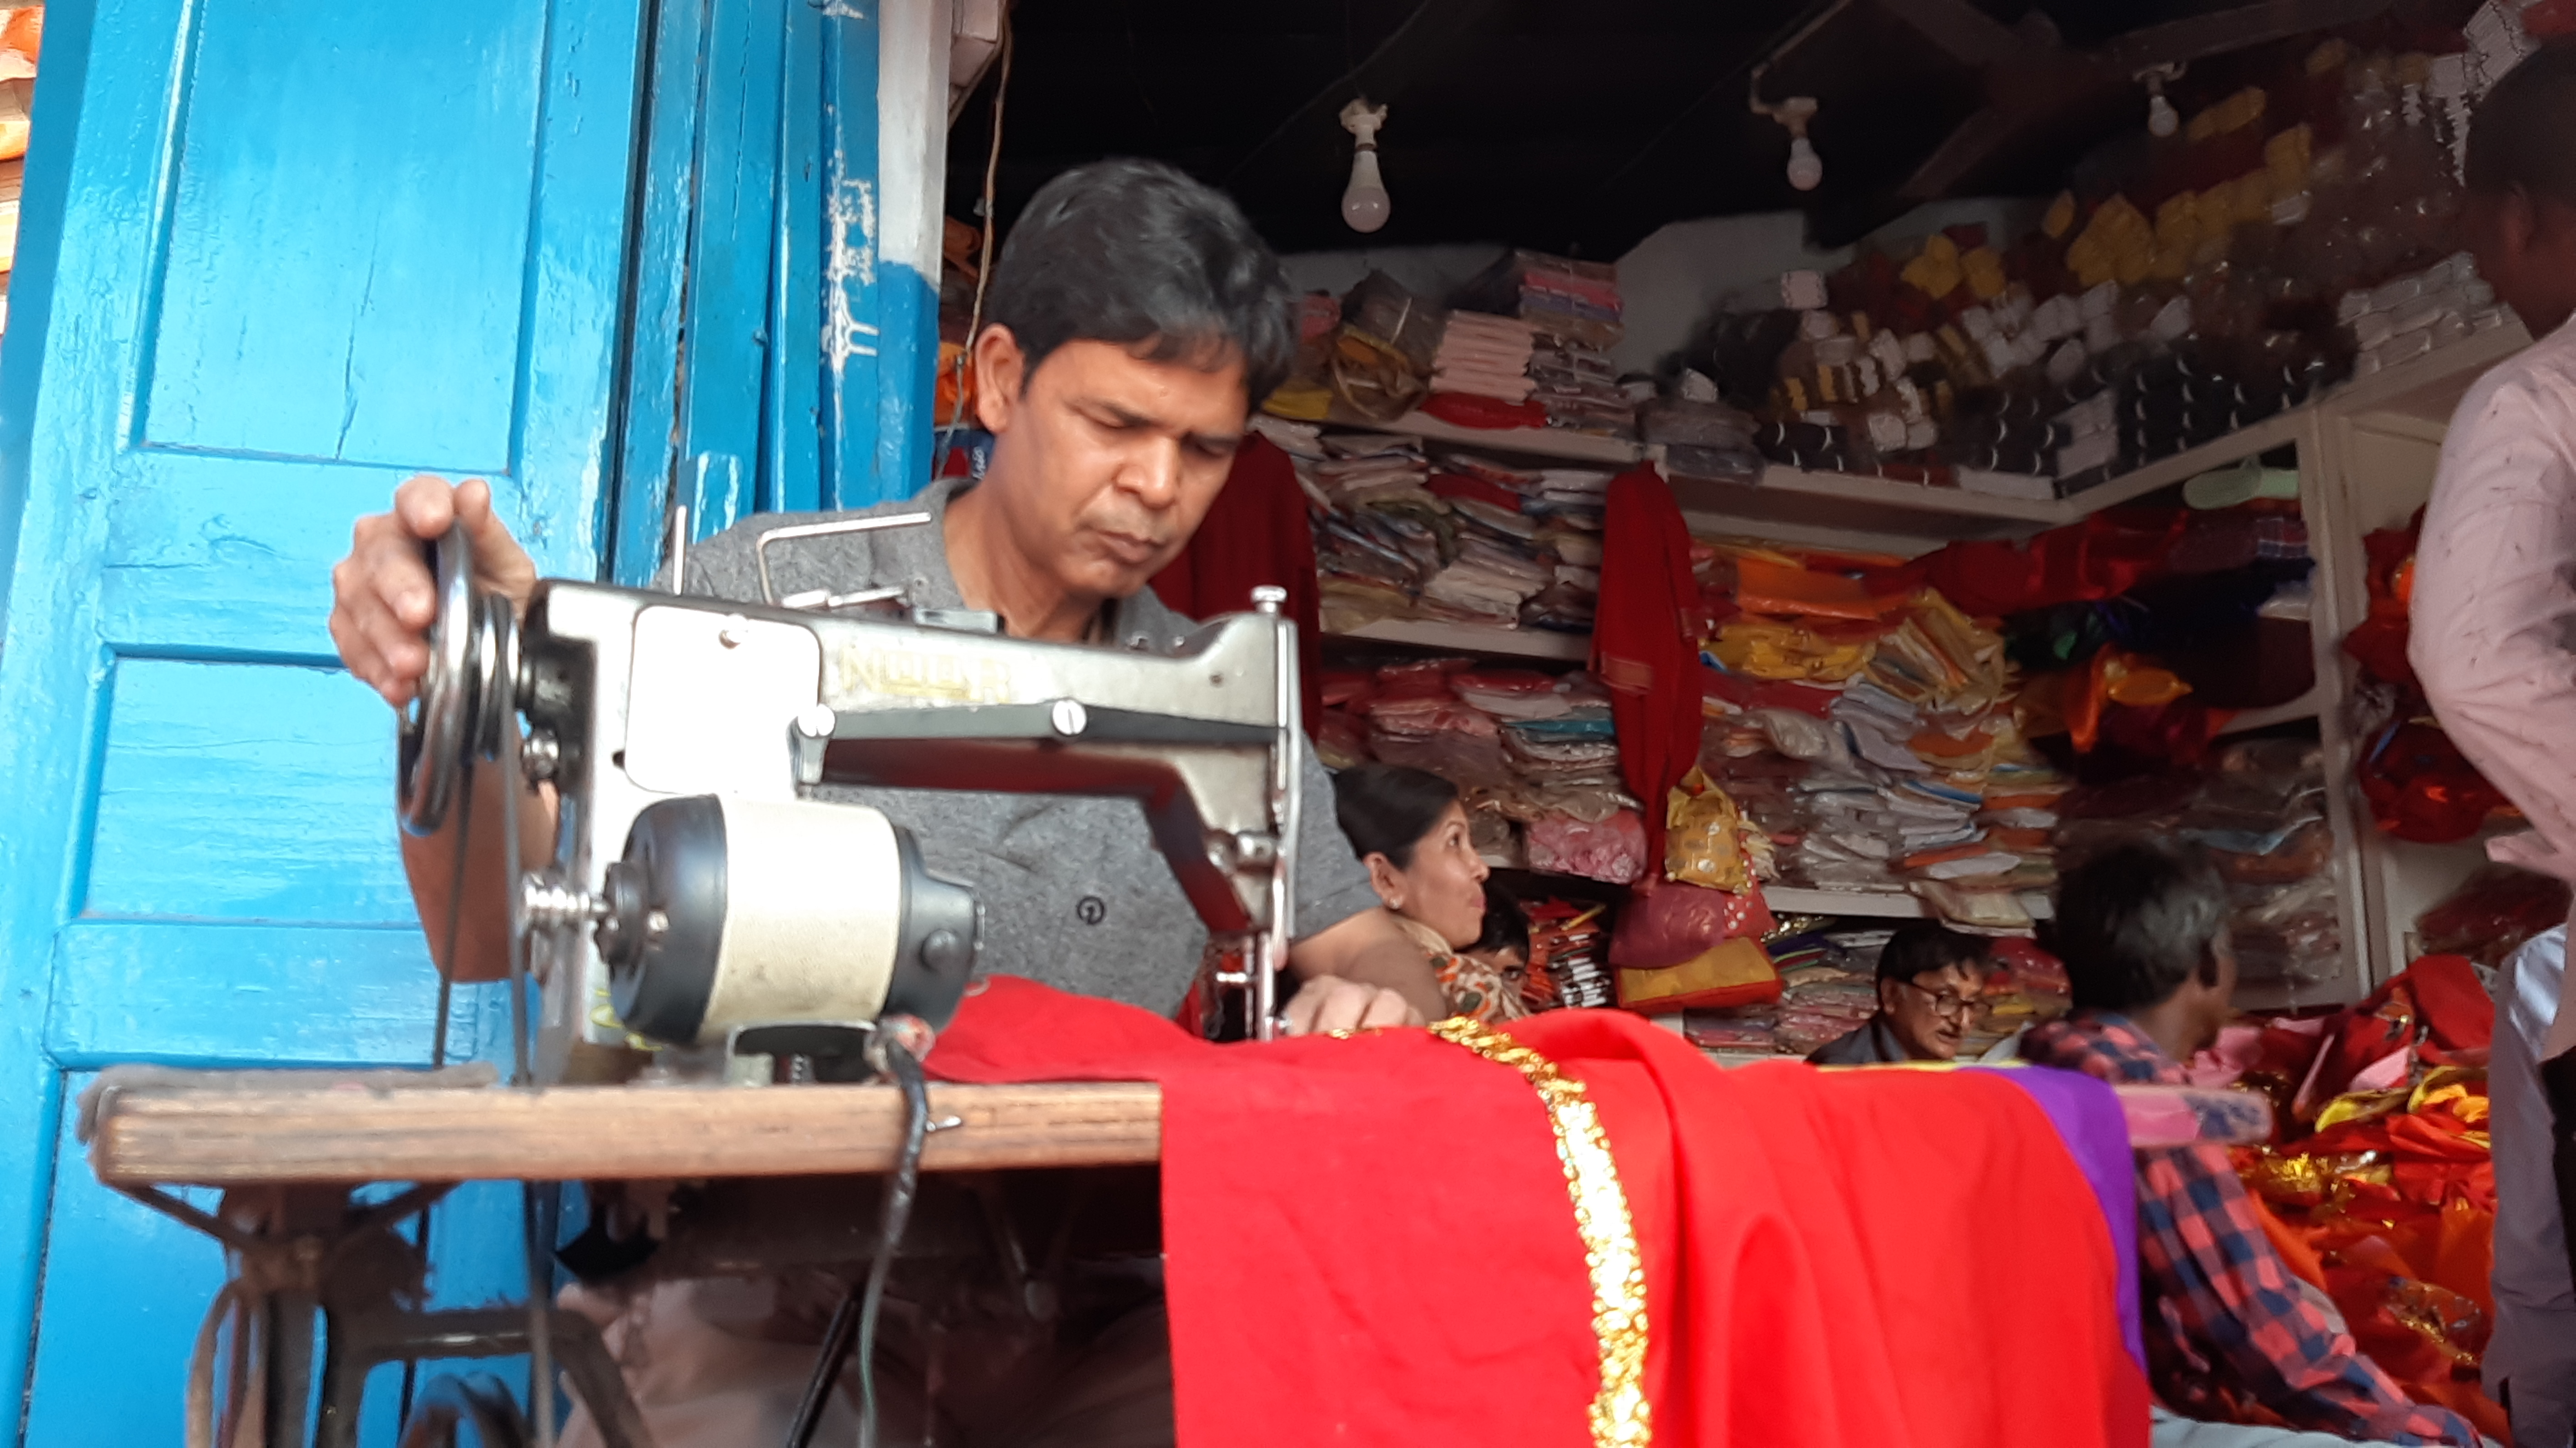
(1484, 356)
(1456, 538)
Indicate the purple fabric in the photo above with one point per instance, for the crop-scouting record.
(2087, 1116)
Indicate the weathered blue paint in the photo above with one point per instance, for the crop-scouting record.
(853, 333)
(276, 255)
(647, 454)
(791, 468)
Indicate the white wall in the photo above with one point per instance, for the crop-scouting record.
(1673, 279)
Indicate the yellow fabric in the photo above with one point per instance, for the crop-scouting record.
(1701, 835)
(1724, 966)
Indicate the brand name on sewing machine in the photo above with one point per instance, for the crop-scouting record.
(910, 674)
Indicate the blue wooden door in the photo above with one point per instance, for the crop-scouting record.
(279, 254)
(788, 264)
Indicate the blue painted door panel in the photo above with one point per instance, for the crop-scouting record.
(278, 255)
(796, 364)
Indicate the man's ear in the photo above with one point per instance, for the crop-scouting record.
(1001, 371)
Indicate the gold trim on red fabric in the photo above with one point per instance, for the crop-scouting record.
(1621, 1416)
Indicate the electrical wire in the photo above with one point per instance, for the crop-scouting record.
(984, 268)
(854, 1322)
(438, 1037)
(1791, 36)
(541, 1367)
(1330, 90)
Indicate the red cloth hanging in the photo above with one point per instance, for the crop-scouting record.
(1256, 533)
(1370, 1240)
(1640, 647)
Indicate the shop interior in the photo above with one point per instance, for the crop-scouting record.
(2049, 391)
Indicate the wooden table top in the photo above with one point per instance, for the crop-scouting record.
(212, 1136)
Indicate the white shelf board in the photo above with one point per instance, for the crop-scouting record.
(2427, 387)
(2307, 706)
(1545, 442)
(1469, 638)
(1882, 904)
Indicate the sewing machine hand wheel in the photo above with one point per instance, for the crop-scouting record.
(465, 699)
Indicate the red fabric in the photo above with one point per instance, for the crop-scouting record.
(1639, 646)
(2102, 557)
(1468, 410)
(1459, 485)
(1820, 1251)
(1255, 533)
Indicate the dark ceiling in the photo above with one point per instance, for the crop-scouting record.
(1580, 126)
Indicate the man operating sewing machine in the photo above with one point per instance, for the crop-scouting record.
(1133, 320)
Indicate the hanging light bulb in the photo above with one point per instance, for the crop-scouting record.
(1806, 168)
(2162, 119)
(1365, 205)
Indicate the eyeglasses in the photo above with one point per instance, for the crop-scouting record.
(1945, 1004)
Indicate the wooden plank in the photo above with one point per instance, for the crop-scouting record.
(592, 1133)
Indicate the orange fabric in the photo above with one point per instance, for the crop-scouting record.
(1762, 586)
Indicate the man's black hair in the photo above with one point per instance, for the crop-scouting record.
(1923, 947)
(1387, 809)
(1136, 253)
(2134, 922)
(2524, 132)
(1506, 923)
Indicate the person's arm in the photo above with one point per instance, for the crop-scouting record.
(2199, 1241)
(383, 603)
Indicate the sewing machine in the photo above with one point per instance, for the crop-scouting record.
(704, 912)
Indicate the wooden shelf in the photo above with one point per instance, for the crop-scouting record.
(1469, 638)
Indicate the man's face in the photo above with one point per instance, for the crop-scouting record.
(1930, 1014)
(1104, 462)
(2217, 1001)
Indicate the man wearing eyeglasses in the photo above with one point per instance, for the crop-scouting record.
(1930, 979)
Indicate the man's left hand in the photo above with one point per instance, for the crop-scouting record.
(1331, 1003)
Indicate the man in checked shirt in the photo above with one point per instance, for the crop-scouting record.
(2229, 1331)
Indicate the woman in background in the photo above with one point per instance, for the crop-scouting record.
(1409, 828)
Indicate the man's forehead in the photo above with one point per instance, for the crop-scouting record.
(1182, 392)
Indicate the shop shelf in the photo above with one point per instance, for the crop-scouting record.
(1542, 442)
(1883, 904)
(1468, 638)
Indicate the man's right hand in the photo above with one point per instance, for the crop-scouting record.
(384, 597)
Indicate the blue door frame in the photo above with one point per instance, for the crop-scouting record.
(277, 255)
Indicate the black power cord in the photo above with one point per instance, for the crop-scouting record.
(854, 1322)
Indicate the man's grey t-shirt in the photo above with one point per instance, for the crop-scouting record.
(1074, 892)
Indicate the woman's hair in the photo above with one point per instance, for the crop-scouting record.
(1387, 809)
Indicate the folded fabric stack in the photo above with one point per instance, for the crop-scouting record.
(1874, 737)
(1484, 356)
(2260, 810)
(1575, 300)
(1459, 538)
(1579, 388)
(1828, 985)
(1573, 308)
(2401, 320)
(1533, 754)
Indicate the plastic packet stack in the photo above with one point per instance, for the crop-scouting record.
(2401, 320)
